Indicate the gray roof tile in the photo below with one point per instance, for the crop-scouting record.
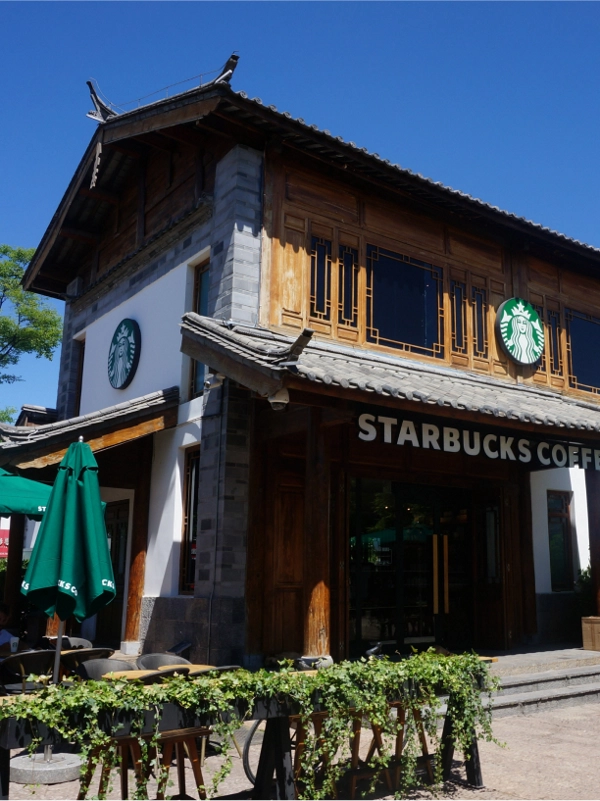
(392, 376)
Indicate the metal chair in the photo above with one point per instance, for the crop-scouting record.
(96, 669)
(17, 667)
(72, 660)
(67, 643)
(155, 661)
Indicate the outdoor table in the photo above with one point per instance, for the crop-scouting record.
(275, 755)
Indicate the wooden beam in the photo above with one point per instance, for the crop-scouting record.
(102, 195)
(317, 612)
(161, 119)
(300, 392)
(126, 150)
(139, 542)
(105, 441)
(183, 135)
(157, 141)
(79, 235)
(141, 204)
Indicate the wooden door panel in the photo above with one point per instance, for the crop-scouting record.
(288, 540)
(287, 620)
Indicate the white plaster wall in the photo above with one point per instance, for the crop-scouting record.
(565, 480)
(166, 501)
(158, 310)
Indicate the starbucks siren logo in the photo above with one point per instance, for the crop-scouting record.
(520, 331)
(124, 354)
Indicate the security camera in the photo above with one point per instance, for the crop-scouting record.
(213, 381)
(279, 400)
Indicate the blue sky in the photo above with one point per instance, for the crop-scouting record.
(500, 100)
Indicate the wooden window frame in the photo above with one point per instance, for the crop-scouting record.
(188, 535)
(570, 314)
(199, 271)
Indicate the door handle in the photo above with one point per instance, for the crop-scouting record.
(436, 583)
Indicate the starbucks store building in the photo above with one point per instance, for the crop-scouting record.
(342, 403)
(405, 502)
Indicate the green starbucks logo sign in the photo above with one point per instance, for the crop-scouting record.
(520, 331)
(124, 354)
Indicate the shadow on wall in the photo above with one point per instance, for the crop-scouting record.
(167, 621)
(559, 618)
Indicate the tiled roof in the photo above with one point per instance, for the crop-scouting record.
(372, 374)
(21, 437)
(352, 149)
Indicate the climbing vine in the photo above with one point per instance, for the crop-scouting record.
(372, 690)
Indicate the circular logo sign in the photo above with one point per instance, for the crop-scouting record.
(520, 331)
(124, 354)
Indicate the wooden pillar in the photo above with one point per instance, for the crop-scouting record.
(12, 586)
(317, 628)
(139, 540)
(592, 486)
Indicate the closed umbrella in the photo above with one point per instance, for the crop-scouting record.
(70, 571)
(22, 496)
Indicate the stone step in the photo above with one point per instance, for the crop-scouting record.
(547, 698)
(549, 680)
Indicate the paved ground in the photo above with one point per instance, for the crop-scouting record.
(548, 755)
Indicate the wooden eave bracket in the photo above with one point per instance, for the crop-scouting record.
(256, 377)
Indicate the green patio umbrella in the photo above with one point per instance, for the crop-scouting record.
(22, 496)
(70, 571)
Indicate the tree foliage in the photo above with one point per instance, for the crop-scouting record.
(27, 324)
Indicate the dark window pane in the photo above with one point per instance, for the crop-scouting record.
(320, 279)
(459, 332)
(479, 300)
(190, 521)
(348, 286)
(200, 307)
(584, 340)
(404, 302)
(554, 330)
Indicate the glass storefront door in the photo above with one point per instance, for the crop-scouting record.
(410, 566)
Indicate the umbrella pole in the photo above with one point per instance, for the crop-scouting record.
(59, 636)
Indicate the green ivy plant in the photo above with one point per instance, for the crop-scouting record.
(88, 713)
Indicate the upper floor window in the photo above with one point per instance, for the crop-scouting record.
(200, 306)
(405, 306)
(583, 347)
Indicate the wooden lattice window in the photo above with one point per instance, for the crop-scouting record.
(479, 306)
(404, 303)
(583, 350)
(348, 270)
(560, 540)
(191, 484)
(458, 310)
(554, 349)
(320, 278)
(543, 362)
